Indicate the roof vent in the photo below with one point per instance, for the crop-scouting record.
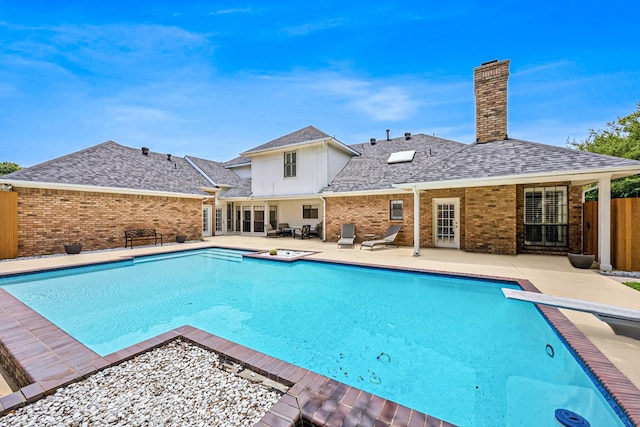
(388, 130)
(373, 141)
(169, 157)
(407, 135)
(145, 151)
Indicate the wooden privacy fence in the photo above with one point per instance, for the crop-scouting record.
(625, 232)
(8, 224)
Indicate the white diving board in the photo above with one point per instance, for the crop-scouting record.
(623, 321)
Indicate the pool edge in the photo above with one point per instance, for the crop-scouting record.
(620, 388)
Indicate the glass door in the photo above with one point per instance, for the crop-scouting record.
(206, 221)
(258, 219)
(446, 223)
(246, 219)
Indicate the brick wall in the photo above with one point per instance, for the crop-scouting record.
(49, 219)
(490, 88)
(491, 220)
(426, 214)
(370, 214)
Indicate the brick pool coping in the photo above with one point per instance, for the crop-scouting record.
(42, 358)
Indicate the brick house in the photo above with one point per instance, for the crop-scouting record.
(497, 195)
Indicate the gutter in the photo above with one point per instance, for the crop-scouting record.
(589, 175)
(97, 189)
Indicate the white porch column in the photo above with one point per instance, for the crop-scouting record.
(416, 222)
(604, 223)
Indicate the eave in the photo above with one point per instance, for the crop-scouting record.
(575, 177)
(100, 189)
(338, 144)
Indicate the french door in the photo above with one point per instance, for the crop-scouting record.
(446, 223)
(206, 221)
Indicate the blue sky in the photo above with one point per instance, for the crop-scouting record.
(212, 79)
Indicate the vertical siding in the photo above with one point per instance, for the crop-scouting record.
(8, 224)
(625, 234)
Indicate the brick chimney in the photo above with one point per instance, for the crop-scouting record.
(490, 87)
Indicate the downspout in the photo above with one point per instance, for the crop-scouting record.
(324, 219)
(416, 222)
(324, 202)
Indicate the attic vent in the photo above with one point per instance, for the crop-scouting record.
(401, 157)
(407, 135)
(373, 141)
(169, 157)
(388, 130)
(145, 151)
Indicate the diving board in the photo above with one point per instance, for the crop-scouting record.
(623, 321)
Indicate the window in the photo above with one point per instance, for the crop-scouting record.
(258, 219)
(545, 216)
(396, 209)
(289, 164)
(309, 212)
(273, 216)
(230, 217)
(246, 219)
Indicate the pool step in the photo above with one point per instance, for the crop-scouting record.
(227, 255)
(153, 258)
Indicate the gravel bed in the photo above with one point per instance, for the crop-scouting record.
(179, 384)
(634, 274)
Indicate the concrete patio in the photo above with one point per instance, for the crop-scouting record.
(550, 274)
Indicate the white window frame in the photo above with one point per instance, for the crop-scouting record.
(290, 164)
(219, 220)
(546, 216)
(394, 209)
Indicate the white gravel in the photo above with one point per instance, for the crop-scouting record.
(179, 384)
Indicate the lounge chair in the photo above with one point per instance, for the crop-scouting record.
(388, 239)
(347, 235)
(272, 232)
(623, 321)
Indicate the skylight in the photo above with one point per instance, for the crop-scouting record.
(401, 156)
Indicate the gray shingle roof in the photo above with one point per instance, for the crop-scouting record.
(370, 170)
(309, 133)
(112, 165)
(216, 171)
(240, 160)
(514, 157)
(243, 189)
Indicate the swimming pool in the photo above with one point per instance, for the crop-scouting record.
(448, 346)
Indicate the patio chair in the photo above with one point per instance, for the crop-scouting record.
(316, 231)
(388, 239)
(272, 232)
(284, 228)
(304, 231)
(347, 235)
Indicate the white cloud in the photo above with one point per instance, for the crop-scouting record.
(304, 29)
(230, 11)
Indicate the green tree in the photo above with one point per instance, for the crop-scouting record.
(620, 139)
(8, 167)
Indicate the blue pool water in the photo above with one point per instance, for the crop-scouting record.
(452, 347)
